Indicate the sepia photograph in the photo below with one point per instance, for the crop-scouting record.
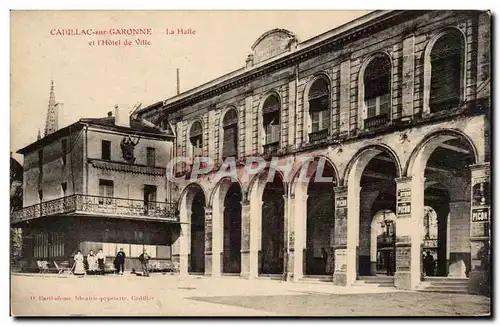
(189, 163)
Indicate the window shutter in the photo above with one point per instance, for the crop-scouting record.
(446, 66)
(229, 141)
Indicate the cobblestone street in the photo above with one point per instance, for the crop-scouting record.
(170, 295)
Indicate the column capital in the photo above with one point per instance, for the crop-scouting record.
(403, 180)
(208, 210)
(245, 202)
(340, 190)
(481, 169)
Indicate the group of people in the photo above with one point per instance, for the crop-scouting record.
(96, 263)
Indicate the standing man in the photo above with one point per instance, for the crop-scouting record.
(120, 262)
(101, 260)
(144, 258)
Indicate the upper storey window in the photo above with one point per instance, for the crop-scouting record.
(377, 91)
(446, 72)
(271, 119)
(106, 150)
(319, 109)
(230, 134)
(196, 139)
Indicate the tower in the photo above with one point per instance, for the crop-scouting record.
(51, 123)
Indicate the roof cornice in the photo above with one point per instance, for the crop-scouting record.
(334, 38)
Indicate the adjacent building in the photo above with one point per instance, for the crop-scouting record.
(97, 184)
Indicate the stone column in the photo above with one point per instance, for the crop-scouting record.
(480, 231)
(288, 223)
(290, 237)
(247, 254)
(300, 223)
(208, 241)
(340, 237)
(184, 247)
(409, 224)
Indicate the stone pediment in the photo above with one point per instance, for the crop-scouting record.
(272, 43)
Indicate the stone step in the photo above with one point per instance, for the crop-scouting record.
(379, 285)
(376, 281)
(444, 290)
(318, 279)
(271, 276)
(438, 285)
(445, 279)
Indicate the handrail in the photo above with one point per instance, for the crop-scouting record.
(99, 205)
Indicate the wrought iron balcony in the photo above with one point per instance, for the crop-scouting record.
(376, 121)
(99, 206)
(318, 135)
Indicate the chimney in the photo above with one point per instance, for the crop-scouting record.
(122, 117)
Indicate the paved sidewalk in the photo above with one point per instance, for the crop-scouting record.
(174, 295)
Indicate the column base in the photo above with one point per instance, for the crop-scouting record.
(373, 268)
(479, 283)
(248, 259)
(208, 264)
(402, 280)
(183, 264)
(340, 279)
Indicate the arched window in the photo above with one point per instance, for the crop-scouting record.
(271, 123)
(446, 72)
(196, 139)
(319, 109)
(377, 92)
(230, 134)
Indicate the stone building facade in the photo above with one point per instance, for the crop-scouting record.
(395, 108)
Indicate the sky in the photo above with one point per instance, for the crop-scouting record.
(91, 80)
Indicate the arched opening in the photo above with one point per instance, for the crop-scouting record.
(383, 233)
(197, 256)
(377, 210)
(446, 63)
(271, 123)
(377, 92)
(319, 109)
(319, 254)
(196, 139)
(191, 234)
(447, 200)
(231, 260)
(230, 134)
(272, 228)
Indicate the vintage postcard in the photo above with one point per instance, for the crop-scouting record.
(250, 163)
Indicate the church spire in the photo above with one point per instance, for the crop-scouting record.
(52, 116)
